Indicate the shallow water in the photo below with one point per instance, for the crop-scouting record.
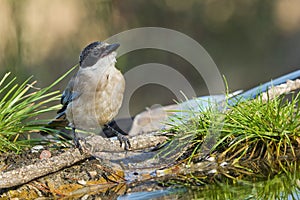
(280, 187)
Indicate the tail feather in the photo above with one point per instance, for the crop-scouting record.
(58, 123)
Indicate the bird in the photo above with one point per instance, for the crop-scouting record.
(94, 95)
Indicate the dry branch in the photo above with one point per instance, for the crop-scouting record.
(92, 145)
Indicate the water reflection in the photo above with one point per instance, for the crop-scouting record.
(281, 186)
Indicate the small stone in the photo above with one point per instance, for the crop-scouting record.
(93, 174)
(45, 154)
(37, 148)
(211, 159)
(223, 164)
(82, 182)
(213, 171)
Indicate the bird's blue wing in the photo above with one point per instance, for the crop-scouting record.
(68, 95)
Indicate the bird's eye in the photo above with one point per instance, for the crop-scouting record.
(96, 53)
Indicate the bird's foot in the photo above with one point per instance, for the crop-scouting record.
(123, 139)
(79, 142)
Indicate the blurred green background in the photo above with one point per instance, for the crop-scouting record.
(251, 41)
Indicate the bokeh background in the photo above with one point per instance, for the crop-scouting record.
(251, 41)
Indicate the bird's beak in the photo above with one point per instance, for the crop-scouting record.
(110, 48)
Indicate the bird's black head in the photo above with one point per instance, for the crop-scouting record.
(94, 51)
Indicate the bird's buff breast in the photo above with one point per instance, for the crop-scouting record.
(100, 100)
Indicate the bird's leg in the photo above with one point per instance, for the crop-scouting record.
(75, 138)
(121, 138)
